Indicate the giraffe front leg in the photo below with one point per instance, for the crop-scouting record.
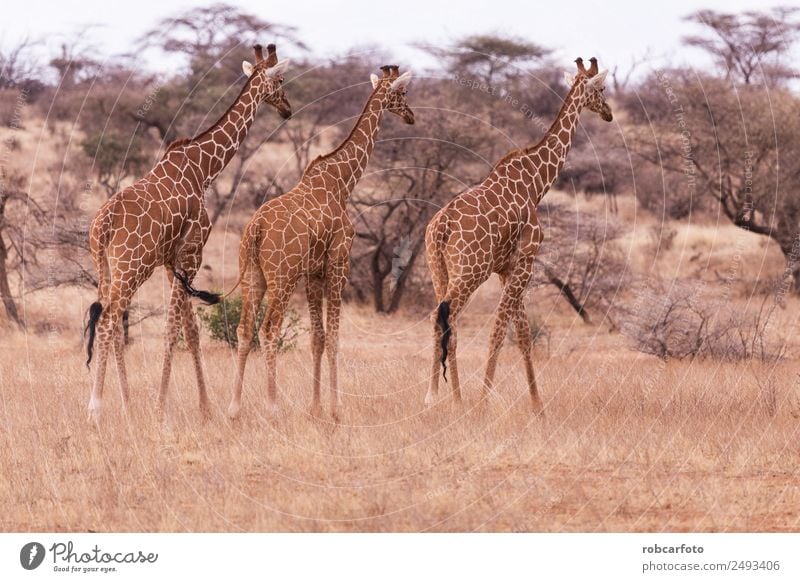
(337, 276)
(174, 320)
(314, 291)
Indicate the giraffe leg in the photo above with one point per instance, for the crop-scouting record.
(119, 355)
(269, 334)
(314, 291)
(191, 334)
(439, 278)
(108, 327)
(253, 288)
(510, 300)
(436, 366)
(174, 320)
(456, 298)
(337, 276)
(525, 343)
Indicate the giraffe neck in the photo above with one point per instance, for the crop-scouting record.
(346, 164)
(546, 159)
(219, 143)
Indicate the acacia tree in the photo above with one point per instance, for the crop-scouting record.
(492, 58)
(750, 46)
(12, 241)
(731, 152)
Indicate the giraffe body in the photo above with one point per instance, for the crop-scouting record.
(493, 228)
(161, 220)
(305, 235)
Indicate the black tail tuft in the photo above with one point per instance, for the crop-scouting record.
(442, 319)
(95, 310)
(206, 296)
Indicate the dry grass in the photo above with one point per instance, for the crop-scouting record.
(627, 444)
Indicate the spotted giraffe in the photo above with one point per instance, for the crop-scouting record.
(306, 234)
(493, 228)
(162, 220)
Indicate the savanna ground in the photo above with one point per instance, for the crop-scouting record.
(628, 443)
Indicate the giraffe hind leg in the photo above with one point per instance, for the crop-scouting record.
(456, 298)
(253, 288)
(107, 328)
(514, 287)
(191, 333)
(119, 355)
(525, 343)
(174, 320)
(336, 279)
(439, 278)
(269, 335)
(314, 291)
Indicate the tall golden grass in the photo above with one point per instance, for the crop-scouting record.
(628, 443)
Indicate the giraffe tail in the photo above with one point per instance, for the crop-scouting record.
(206, 296)
(99, 236)
(442, 317)
(95, 311)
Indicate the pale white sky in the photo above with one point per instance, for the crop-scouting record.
(614, 31)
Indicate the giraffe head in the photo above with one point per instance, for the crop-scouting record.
(268, 72)
(395, 85)
(594, 98)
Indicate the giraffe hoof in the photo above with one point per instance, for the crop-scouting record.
(429, 400)
(316, 410)
(233, 410)
(273, 411)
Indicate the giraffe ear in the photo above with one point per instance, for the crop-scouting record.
(278, 69)
(402, 81)
(247, 68)
(599, 79)
(375, 80)
(569, 79)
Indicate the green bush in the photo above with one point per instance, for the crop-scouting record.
(222, 319)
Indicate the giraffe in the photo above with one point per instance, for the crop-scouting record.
(306, 233)
(161, 220)
(493, 228)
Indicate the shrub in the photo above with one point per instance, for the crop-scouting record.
(679, 321)
(222, 319)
